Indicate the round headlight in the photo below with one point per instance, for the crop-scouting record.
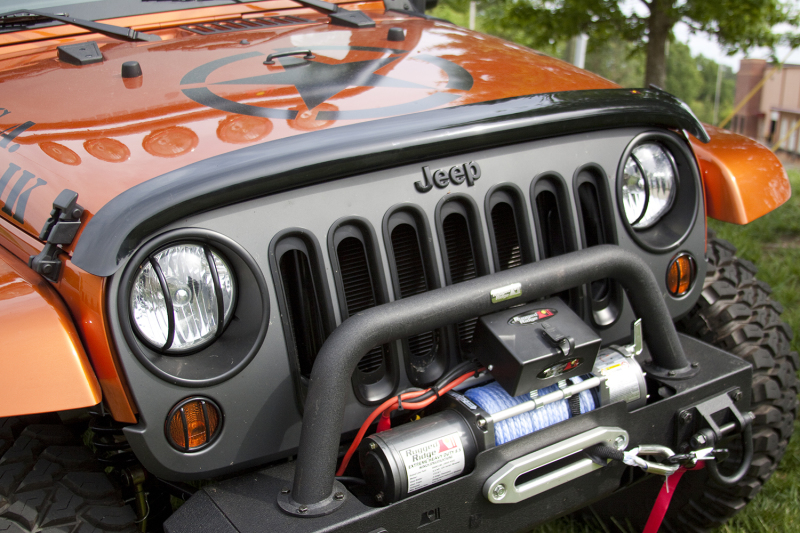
(649, 185)
(182, 298)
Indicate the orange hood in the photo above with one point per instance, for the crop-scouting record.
(87, 129)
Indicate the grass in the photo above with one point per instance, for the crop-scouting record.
(773, 243)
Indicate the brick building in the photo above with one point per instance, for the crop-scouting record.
(774, 111)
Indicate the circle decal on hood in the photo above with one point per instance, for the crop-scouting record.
(317, 81)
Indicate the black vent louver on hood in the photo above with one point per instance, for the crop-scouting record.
(255, 23)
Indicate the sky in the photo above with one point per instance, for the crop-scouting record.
(702, 44)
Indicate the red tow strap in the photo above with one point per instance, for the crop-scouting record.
(664, 497)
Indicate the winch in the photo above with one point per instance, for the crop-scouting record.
(547, 367)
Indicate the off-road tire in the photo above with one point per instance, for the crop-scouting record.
(50, 482)
(736, 313)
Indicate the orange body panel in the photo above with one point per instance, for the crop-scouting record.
(743, 179)
(44, 366)
(84, 295)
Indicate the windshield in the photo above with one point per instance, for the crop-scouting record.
(107, 9)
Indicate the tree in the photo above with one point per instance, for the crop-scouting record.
(735, 24)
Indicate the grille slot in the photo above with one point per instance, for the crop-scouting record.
(506, 237)
(460, 255)
(463, 249)
(360, 284)
(412, 280)
(461, 263)
(256, 23)
(552, 231)
(605, 296)
(301, 289)
(554, 227)
(359, 293)
(305, 316)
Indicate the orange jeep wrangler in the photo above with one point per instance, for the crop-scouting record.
(310, 266)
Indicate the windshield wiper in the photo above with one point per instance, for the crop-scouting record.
(26, 16)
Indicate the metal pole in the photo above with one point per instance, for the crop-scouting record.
(473, 13)
(717, 94)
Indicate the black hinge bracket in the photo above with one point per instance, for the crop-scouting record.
(60, 229)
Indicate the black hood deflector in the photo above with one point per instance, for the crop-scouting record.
(115, 231)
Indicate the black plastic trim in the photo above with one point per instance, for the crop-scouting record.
(313, 252)
(179, 406)
(367, 389)
(212, 266)
(426, 371)
(553, 183)
(604, 311)
(242, 336)
(170, 308)
(118, 228)
(511, 194)
(674, 226)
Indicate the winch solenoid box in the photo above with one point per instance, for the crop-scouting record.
(536, 345)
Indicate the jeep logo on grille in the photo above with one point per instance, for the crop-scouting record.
(456, 175)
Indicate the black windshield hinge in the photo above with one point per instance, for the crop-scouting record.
(339, 16)
(60, 229)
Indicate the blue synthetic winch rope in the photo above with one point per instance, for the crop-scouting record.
(492, 398)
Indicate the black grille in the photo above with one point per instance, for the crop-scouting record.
(461, 262)
(506, 236)
(257, 23)
(551, 229)
(304, 308)
(359, 292)
(460, 256)
(411, 280)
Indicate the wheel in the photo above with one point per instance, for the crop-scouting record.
(736, 313)
(50, 482)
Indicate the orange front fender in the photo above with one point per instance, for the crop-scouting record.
(743, 179)
(43, 367)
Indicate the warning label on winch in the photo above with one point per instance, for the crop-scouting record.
(433, 461)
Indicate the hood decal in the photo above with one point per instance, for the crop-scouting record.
(318, 81)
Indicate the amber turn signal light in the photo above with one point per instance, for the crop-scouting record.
(193, 424)
(680, 275)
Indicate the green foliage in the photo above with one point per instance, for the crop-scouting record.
(735, 24)
(692, 79)
(542, 24)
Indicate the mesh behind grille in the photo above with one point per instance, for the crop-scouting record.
(359, 292)
(461, 262)
(412, 280)
(460, 256)
(506, 237)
